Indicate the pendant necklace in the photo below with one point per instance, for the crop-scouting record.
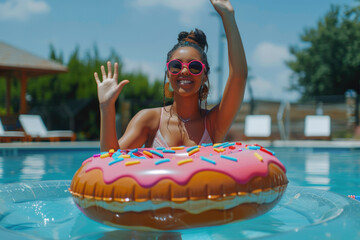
(183, 120)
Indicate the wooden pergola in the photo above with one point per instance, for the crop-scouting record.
(20, 65)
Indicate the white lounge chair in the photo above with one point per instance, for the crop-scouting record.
(34, 126)
(257, 126)
(317, 126)
(8, 136)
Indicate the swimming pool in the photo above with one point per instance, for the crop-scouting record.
(35, 202)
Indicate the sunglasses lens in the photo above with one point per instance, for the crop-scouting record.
(195, 67)
(174, 66)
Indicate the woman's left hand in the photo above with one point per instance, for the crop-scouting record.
(222, 6)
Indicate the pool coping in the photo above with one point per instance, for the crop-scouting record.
(353, 144)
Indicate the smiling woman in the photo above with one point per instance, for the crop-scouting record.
(185, 122)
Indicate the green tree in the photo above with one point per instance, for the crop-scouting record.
(75, 94)
(328, 63)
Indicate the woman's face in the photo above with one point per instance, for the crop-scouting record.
(185, 83)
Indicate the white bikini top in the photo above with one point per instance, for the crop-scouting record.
(159, 140)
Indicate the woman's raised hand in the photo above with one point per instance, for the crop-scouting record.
(222, 6)
(109, 88)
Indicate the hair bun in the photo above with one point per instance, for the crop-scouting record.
(197, 37)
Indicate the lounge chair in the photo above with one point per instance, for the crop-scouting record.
(34, 126)
(317, 127)
(9, 136)
(257, 126)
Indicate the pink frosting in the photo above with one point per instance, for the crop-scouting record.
(147, 173)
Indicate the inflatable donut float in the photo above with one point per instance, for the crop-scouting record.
(179, 187)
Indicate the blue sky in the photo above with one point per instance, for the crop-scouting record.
(143, 31)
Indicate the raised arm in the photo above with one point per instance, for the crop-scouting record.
(221, 117)
(140, 126)
(108, 92)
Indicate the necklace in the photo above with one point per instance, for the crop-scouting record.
(183, 120)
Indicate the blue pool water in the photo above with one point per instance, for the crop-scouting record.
(35, 202)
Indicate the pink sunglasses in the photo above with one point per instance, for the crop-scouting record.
(195, 67)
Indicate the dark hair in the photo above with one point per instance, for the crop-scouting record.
(197, 40)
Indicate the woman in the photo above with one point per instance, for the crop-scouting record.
(183, 122)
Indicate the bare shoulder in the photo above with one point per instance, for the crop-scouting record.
(148, 117)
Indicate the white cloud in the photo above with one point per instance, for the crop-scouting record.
(270, 55)
(183, 5)
(273, 87)
(262, 88)
(149, 68)
(271, 75)
(22, 9)
(186, 8)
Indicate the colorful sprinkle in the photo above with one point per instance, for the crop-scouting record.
(97, 155)
(162, 161)
(126, 156)
(193, 151)
(191, 148)
(238, 143)
(185, 161)
(207, 160)
(111, 150)
(105, 155)
(136, 157)
(232, 147)
(228, 145)
(219, 150)
(259, 156)
(253, 147)
(169, 151)
(265, 149)
(134, 150)
(206, 144)
(115, 154)
(132, 163)
(138, 154)
(177, 148)
(220, 144)
(156, 153)
(149, 154)
(115, 161)
(229, 158)
(160, 148)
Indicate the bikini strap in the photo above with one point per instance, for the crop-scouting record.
(161, 114)
(205, 118)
